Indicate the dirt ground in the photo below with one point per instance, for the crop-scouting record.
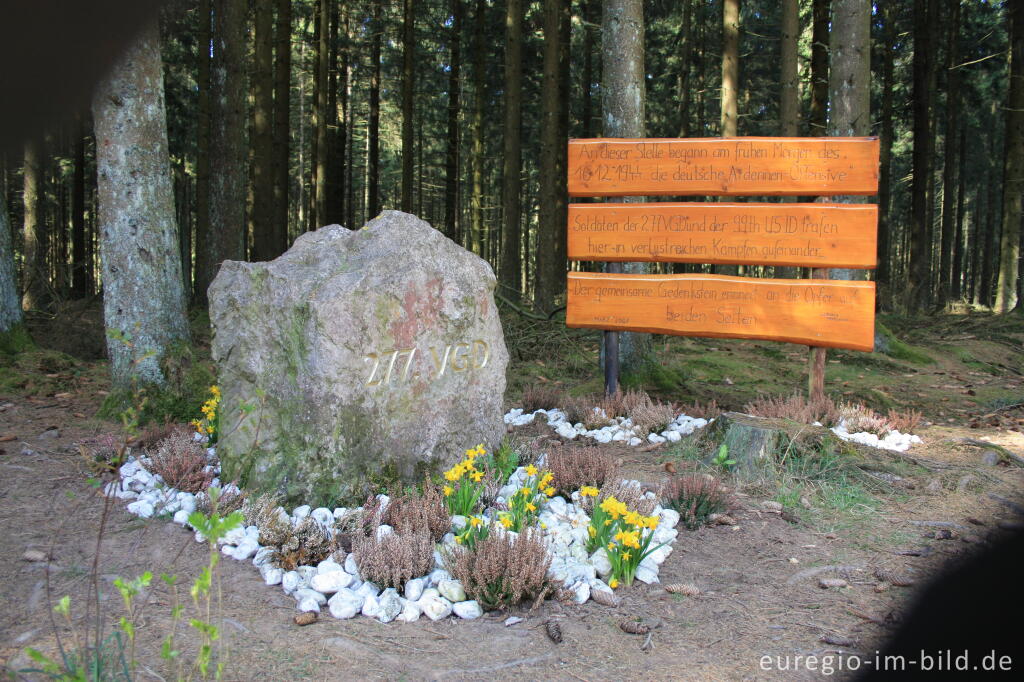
(758, 579)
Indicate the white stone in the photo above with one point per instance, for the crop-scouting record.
(271, 576)
(389, 605)
(672, 436)
(655, 438)
(330, 582)
(307, 593)
(581, 592)
(345, 604)
(435, 608)
(437, 575)
(263, 556)
(601, 562)
(323, 516)
(467, 609)
(245, 550)
(368, 589)
(458, 522)
(301, 513)
(635, 441)
(600, 586)
(384, 530)
(451, 590)
(371, 607)
(429, 592)
(181, 517)
(141, 508)
(328, 566)
(512, 620)
(307, 573)
(668, 518)
(556, 505)
(645, 574)
(658, 556)
(350, 565)
(291, 581)
(438, 559)
(234, 536)
(664, 534)
(309, 604)
(340, 511)
(414, 588)
(411, 612)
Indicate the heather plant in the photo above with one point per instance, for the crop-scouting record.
(695, 497)
(574, 466)
(181, 462)
(419, 511)
(906, 421)
(795, 408)
(502, 569)
(392, 559)
(542, 397)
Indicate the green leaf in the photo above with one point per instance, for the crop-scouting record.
(63, 606)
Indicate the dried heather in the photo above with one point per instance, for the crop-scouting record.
(231, 499)
(904, 422)
(542, 397)
(575, 466)
(587, 410)
(181, 462)
(501, 570)
(860, 418)
(308, 543)
(795, 408)
(652, 417)
(699, 410)
(418, 512)
(395, 558)
(629, 493)
(696, 497)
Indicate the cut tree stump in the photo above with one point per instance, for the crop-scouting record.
(751, 441)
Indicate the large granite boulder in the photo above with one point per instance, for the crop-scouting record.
(356, 358)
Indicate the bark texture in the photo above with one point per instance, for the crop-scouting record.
(10, 306)
(143, 297)
(1013, 168)
(511, 185)
(35, 281)
(622, 105)
(408, 74)
(282, 94)
(452, 218)
(263, 133)
(730, 66)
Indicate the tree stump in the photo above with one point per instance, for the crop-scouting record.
(751, 441)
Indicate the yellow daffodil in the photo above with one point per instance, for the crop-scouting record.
(458, 539)
(215, 390)
(607, 522)
(476, 476)
(506, 521)
(547, 478)
(652, 522)
(549, 492)
(625, 556)
(543, 525)
(475, 521)
(530, 506)
(480, 449)
(448, 490)
(613, 583)
(611, 546)
(531, 470)
(526, 490)
(591, 531)
(588, 491)
(634, 519)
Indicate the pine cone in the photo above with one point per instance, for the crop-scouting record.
(634, 627)
(306, 618)
(893, 578)
(825, 583)
(722, 519)
(554, 631)
(604, 597)
(685, 589)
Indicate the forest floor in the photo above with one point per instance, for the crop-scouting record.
(758, 597)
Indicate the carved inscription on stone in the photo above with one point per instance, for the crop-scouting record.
(402, 365)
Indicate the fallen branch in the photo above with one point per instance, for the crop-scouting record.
(1004, 454)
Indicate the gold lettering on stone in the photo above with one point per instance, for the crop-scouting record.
(405, 365)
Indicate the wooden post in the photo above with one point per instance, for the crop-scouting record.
(611, 350)
(816, 362)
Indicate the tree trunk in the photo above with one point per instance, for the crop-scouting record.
(951, 154)
(373, 163)
(511, 186)
(262, 134)
(883, 272)
(623, 103)
(10, 306)
(408, 76)
(343, 161)
(1013, 167)
(789, 94)
(334, 213)
(989, 257)
(79, 265)
(282, 128)
(920, 256)
(203, 265)
(959, 262)
(452, 224)
(685, 57)
(320, 116)
(730, 66)
(143, 298)
(552, 199)
(587, 113)
(35, 275)
(819, 68)
(226, 239)
(476, 201)
(850, 116)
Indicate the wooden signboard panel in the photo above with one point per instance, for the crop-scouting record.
(765, 166)
(832, 313)
(811, 235)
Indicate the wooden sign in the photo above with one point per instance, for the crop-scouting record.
(767, 166)
(812, 235)
(832, 313)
